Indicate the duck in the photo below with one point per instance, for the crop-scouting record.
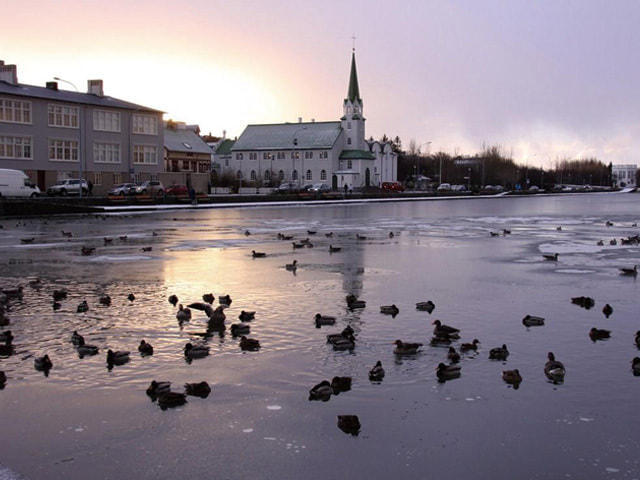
(321, 391)
(340, 384)
(225, 300)
(183, 314)
(171, 399)
(299, 245)
(609, 223)
(406, 348)
(494, 234)
(173, 300)
(76, 338)
(27, 240)
(107, 240)
(559, 228)
(532, 321)
(377, 372)
(346, 333)
(550, 257)
(105, 300)
(86, 350)
(629, 271)
(67, 234)
(324, 320)
(240, 329)
(599, 334)
(512, 377)
(333, 249)
(553, 369)
(635, 367)
(499, 353)
(600, 243)
(506, 231)
(328, 234)
(637, 339)
(145, 348)
(195, 351)
(59, 295)
(146, 249)
(247, 316)
(441, 330)
(344, 343)
(247, 233)
(360, 237)
(250, 344)
(607, 310)
(209, 298)
(584, 302)
(391, 235)
(389, 309)
(427, 306)
(453, 356)
(311, 232)
(353, 302)
(43, 363)
(156, 388)
(613, 242)
(83, 307)
(3, 379)
(203, 307)
(131, 297)
(440, 341)
(6, 337)
(349, 424)
(200, 389)
(87, 250)
(258, 254)
(465, 347)
(218, 314)
(291, 267)
(447, 372)
(119, 357)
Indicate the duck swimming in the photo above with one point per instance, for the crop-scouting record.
(246, 316)
(346, 333)
(3, 379)
(447, 372)
(43, 363)
(512, 377)
(377, 372)
(344, 343)
(607, 310)
(445, 331)
(353, 302)
(86, 350)
(405, 348)
(553, 369)
(250, 344)
(105, 300)
(349, 424)
(637, 339)
(171, 400)
(584, 302)
(635, 366)
(209, 298)
(340, 384)
(321, 391)
(389, 309)
(83, 307)
(173, 300)
(240, 329)
(427, 306)
(333, 249)
(465, 347)
(258, 254)
(158, 388)
(323, 320)
(532, 321)
(499, 353)
(201, 389)
(550, 257)
(599, 334)
(453, 356)
(629, 271)
(119, 357)
(291, 267)
(145, 348)
(195, 351)
(6, 337)
(183, 314)
(218, 314)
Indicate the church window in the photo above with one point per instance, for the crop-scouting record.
(349, 141)
(238, 156)
(239, 175)
(348, 125)
(253, 175)
(253, 156)
(349, 164)
(294, 175)
(281, 175)
(309, 176)
(323, 175)
(267, 174)
(308, 155)
(265, 156)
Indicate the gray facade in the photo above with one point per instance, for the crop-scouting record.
(53, 134)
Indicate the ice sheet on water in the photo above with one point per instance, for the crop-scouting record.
(6, 474)
(569, 247)
(119, 258)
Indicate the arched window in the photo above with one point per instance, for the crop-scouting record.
(267, 174)
(323, 175)
(239, 175)
(309, 176)
(253, 175)
(294, 175)
(281, 175)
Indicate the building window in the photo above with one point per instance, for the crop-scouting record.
(106, 152)
(308, 155)
(185, 165)
(226, 162)
(295, 154)
(349, 141)
(267, 174)
(18, 148)
(106, 121)
(253, 156)
(294, 175)
(280, 156)
(348, 125)
(117, 178)
(97, 178)
(266, 156)
(238, 156)
(63, 116)
(239, 175)
(15, 111)
(323, 175)
(308, 175)
(281, 175)
(252, 175)
(324, 154)
(349, 164)
(63, 150)
(145, 154)
(145, 124)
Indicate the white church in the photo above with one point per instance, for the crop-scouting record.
(303, 153)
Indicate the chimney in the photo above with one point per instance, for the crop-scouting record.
(313, 120)
(8, 73)
(52, 86)
(94, 87)
(299, 119)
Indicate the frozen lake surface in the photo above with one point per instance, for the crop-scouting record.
(258, 421)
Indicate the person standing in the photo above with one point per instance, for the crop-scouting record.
(90, 188)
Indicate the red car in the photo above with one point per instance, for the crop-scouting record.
(177, 190)
(392, 187)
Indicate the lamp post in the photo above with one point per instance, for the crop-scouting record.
(469, 179)
(428, 144)
(80, 131)
(294, 142)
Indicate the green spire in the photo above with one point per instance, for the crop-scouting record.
(354, 91)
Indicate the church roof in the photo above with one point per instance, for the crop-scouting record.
(224, 148)
(354, 91)
(356, 155)
(310, 135)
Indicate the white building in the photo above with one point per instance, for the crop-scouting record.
(624, 176)
(312, 152)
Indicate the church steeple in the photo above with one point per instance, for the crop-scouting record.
(353, 94)
(352, 119)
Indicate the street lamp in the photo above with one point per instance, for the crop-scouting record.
(294, 142)
(80, 142)
(469, 179)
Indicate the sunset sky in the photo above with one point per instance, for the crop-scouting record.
(544, 80)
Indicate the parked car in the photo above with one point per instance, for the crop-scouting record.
(150, 187)
(15, 183)
(444, 187)
(177, 190)
(121, 189)
(392, 187)
(459, 188)
(286, 188)
(320, 188)
(70, 186)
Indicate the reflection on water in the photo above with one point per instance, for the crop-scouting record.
(441, 251)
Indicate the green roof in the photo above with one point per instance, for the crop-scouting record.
(354, 91)
(225, 147)
(356, 155)
(282, 136)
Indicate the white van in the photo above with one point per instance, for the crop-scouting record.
(15, 183)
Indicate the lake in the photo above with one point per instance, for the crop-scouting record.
(258, 421)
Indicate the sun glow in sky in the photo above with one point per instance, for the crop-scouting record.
(543, 80)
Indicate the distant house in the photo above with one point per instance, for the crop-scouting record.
(334, 152)
(54, 134)
(624, 176)
(187, 158)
